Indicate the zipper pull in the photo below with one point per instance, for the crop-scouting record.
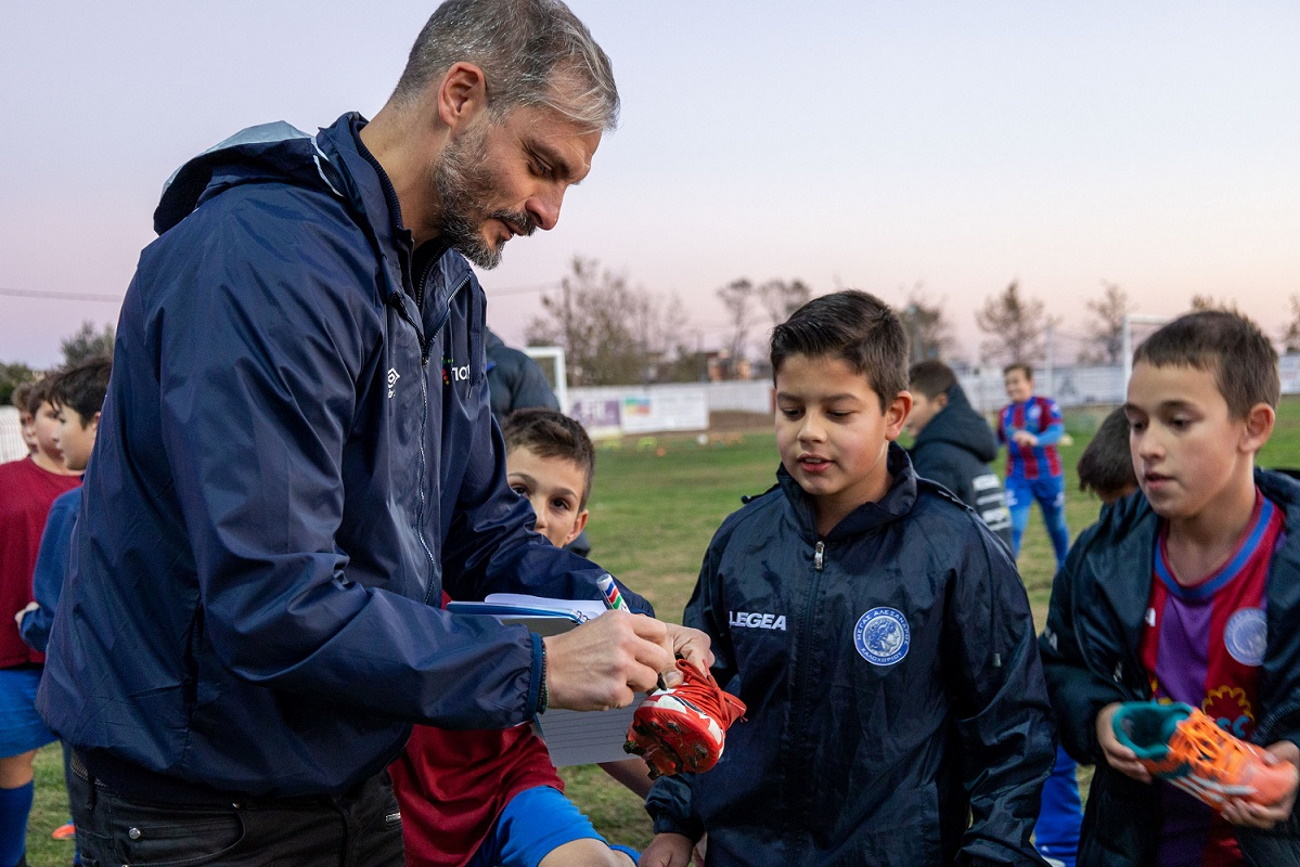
(819, 556)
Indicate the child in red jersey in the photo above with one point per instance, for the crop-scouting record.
(1186, 594)
(27, 488)
(489, 798)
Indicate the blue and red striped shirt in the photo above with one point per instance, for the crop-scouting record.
(1041, 416)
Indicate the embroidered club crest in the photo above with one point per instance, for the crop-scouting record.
(1246, 636)
(882, 636)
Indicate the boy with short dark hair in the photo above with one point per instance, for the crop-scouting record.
(1106, 466)
(897, 713)
(493, 798)
(1188, 594)
(77, 397)
(1031, 426)
(952, 444)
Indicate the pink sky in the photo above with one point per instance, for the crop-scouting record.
(847, 144)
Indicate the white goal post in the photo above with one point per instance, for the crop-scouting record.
(1131, 319)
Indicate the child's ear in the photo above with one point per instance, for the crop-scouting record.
(896, 414)
(941, 400)
(93, 427)
(1259, 427)
(578, 526)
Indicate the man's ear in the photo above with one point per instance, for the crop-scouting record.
(1259, 427)
(462, 95)
(578, 526)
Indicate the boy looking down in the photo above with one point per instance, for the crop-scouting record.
(1187, 594)
(897, 712)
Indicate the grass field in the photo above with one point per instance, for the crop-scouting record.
(654, 508)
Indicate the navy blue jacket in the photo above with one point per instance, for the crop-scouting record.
(955, 449)
(295, 458)
(897, 713)
(1092, 655)
(51, 566)
(515, 381)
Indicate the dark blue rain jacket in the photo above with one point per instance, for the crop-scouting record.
(295, 458)
(897, 714)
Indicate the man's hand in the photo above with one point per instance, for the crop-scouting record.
(1252, 815)
(667, 850)
(1118, 756)
(1024, 438)
(605, 662)
(32, 606)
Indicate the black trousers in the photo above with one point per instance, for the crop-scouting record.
(362, 828)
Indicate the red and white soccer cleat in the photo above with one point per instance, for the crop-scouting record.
(683, 728)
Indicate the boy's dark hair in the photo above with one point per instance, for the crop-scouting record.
(1106, 465)
(1019, 365)
(38, 394)
(1225, 344)
(931, 377)
(82, 387)
(854, 327)
(549, 433)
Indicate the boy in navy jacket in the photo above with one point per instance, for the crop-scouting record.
(1186, 592)
(897, 711)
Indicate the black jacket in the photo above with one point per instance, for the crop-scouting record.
(1091, 652)
(514, 380)
(896, 708)
(955, 449)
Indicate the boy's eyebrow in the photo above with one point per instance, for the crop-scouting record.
(822, 397)
(1164, 405)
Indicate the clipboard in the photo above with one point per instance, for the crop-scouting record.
(572, 737)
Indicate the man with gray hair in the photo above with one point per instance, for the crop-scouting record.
(296, 458)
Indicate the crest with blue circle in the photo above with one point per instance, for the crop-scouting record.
(882, 636)
(1246, 636)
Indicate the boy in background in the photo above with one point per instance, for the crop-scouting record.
(489, 798)
(1188, 594)
(29, 486)
(77, 396)
(23, 391)
(953, 445)
(877, 631)
(1106, 466)
(1031, 426)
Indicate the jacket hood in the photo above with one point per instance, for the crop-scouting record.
(270, 153)
(960, 425)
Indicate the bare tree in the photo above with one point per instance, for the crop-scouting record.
(780, 299)
(87, 343)
(612, 333)
(928, 331)
(1291, 333)
(1015, 324)
(738, 299)
(1107, 326)
(1208, 302)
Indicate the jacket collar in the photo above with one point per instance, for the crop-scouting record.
(896, 503)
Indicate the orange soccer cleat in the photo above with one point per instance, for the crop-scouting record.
(683, 728)
(1179, 743)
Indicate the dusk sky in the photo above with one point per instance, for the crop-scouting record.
(865, 144)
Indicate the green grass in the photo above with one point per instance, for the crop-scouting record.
(652, 516)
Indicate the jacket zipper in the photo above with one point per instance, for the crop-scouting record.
(819, 556)
(798, 687)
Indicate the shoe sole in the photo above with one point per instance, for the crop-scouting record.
(668, 747)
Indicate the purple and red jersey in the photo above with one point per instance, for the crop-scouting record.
(1041, 416)
(1204, 644)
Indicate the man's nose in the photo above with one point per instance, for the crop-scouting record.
(544, 208)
